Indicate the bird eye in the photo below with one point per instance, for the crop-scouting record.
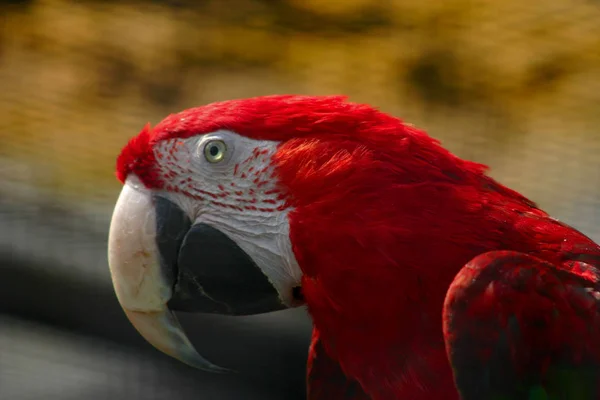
(214, 151)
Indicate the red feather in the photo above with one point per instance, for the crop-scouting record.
(383, 219)
(138, 157)
(512, 320)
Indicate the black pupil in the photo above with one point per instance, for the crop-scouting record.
(214, 150)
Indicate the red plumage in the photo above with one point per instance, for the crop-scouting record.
(513, 321)
(383, 220)
(137, 157)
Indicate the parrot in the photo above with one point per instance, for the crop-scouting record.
(423, 276)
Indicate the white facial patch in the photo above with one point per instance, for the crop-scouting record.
(238, 195)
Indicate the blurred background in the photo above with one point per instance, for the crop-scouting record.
(513, 84)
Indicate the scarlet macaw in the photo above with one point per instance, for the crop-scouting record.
(425, 278)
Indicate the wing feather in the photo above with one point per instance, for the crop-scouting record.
(518, 327)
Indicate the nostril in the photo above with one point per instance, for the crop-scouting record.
(297, 293)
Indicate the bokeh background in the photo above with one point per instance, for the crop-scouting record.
(513, 84)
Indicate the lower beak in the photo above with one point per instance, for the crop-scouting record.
(160, 262)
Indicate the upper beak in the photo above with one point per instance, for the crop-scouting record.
(160, 262)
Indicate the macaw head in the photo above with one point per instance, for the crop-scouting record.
(255, 205)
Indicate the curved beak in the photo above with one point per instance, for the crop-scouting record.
(160, 262)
